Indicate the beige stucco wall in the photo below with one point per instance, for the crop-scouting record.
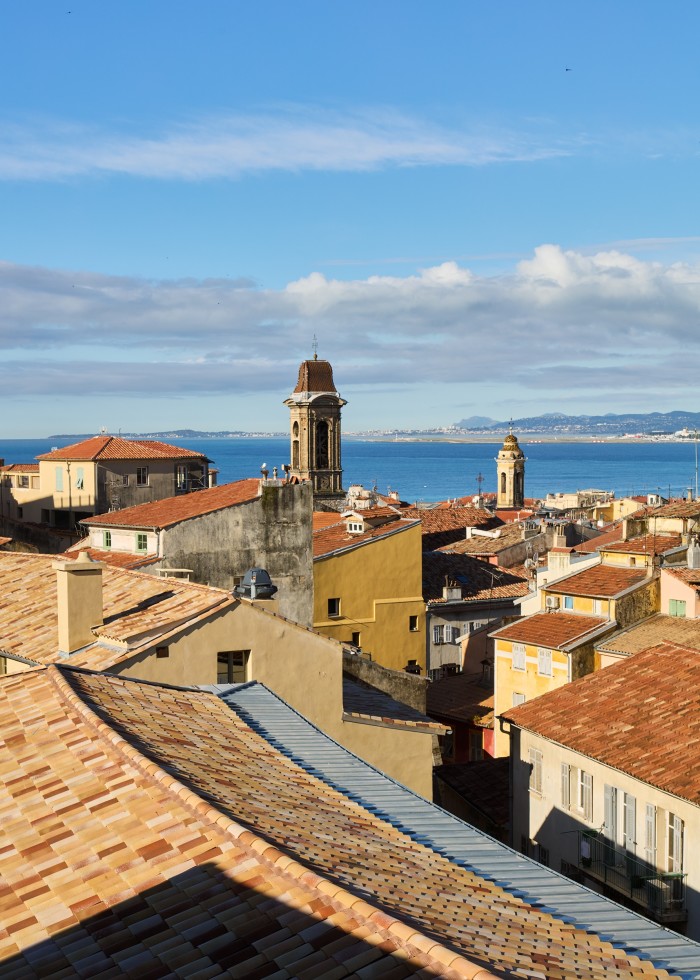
(305, 670)
(544, 819)
(380, 586)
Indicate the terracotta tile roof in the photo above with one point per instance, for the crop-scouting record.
(113, 447)
(556, 630)
(481, 544)
(462, 697)
(645, 544)
(120, 559)
(335, 537)
(608, 537)
(484, 785)
(139, 611)
(315, 376)
(150, 831)
(477, 579)
(20, 468)
(691, 576)
(678, 508)
(112, 867)
(652, 631)
(601, 581)
(509, 516)
(627, 716)
(364, 703)
(443, 526)
(324, 518)
(173, 510)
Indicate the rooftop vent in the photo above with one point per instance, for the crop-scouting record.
(256, 584)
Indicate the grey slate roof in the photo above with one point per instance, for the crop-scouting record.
(452, 838)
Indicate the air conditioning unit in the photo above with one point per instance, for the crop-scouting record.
(552, 602)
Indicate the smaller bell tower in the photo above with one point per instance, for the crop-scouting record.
(510, 473)
(314, 420)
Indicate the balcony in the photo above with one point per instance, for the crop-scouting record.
(658, 894)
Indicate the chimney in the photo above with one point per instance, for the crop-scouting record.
(79, 588)
(694, 554)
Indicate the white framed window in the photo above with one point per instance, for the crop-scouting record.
(536, 771)
(518, 656)
(568, 602)
(610, 813)
(518, 699)
(675, 844)
(585, 794)
(80, 478)
(650, 834)
(438, 634)
(629, 822)
(141, 476)
(565, 786)
(544, 662)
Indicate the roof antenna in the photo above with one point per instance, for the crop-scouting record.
(314, 346)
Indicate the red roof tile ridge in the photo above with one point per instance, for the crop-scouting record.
(375, 916)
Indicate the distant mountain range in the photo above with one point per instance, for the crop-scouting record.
(171, 434)
(609, 424)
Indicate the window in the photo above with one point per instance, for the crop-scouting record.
(232, 666)
(413, 624)
(334, 607)
(676, 607)
(107, 539)
(141, 476)
(568, 602)
(181, 477)
(536, 771)
(162, 653)
(20, 513)
(80, 478)
(598, 607)
(22, 481)
(59, 478)
(633, 561)
(35, 483)
(438, 634)
(544, 662)
(650, 834)
(355, 527)
(565, 786)
(125, 480)
(141, 541)
(585, 794)
(518, 656)
(610, 818)
(629, 822)
(518, 699)
(476, 747)
(356, 637)
(543, 854)
(675, 844)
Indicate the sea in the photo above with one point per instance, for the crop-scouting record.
(423, 471)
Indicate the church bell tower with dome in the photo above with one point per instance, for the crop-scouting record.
(314, 418)
(510, 470)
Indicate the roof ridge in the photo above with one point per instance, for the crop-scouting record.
(282, 863)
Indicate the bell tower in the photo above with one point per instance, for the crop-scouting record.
(314, 420)
(510, 473)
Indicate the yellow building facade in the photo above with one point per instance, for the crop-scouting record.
(368, 590)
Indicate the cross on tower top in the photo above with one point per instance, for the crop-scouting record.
(314, 346)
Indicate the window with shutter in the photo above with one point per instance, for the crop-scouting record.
(585, 790)
(536, 771)
(650, 834)
(630, 822)
(544, 662)
(518, 656)
(675, 844)
(565, 786)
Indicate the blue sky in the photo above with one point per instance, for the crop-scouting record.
(190, 192)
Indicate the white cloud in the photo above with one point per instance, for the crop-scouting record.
(293, 138)
(561, 321)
